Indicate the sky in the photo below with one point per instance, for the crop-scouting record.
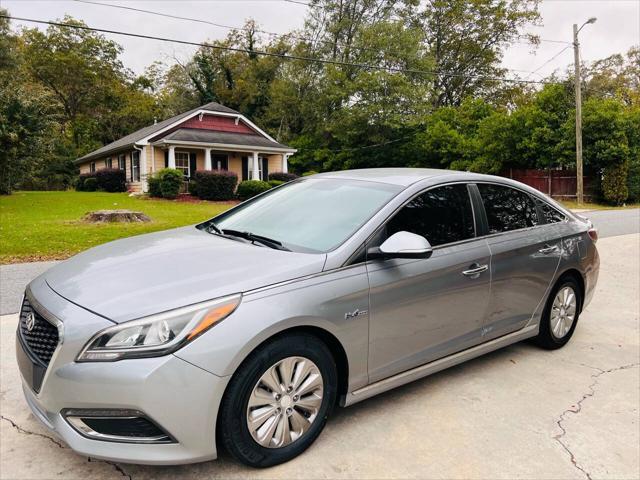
(617, 27)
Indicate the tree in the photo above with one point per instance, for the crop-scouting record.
(25, 115)
(99, 100)
(467, 39)
(606, 147)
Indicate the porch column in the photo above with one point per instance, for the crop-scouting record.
(207, 159)
(143, 168)
(172, 157)
(255, 169)
(285, 162)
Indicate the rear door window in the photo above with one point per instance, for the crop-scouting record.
(550, 214)
(507, 208)
(441, 215)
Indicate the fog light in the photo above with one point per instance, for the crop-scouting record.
(113, 425)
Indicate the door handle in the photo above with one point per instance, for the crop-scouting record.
(548, 249)
(475, 270)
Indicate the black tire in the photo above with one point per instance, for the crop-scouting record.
(546, 339)
(233, 431)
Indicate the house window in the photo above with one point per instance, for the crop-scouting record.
(182, 163)
(135, 166)
(219, 161)
(121, 160)
(92, 167)
(107, 162)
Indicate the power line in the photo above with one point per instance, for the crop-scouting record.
(375, 145)
(548, 61)
(220, 25)
(272, 34)
(364, 66)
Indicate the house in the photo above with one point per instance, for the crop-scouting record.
(206, 138)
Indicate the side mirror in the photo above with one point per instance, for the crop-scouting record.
(402, 245)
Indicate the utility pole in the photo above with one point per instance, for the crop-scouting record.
(576, 61)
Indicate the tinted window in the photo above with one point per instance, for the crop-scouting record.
(507, 209)
(550, 214)
(441, 215)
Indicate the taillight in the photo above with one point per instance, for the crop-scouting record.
(593, 234)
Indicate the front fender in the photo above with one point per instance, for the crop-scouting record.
(321, 302)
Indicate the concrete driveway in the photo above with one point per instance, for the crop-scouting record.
(517, 413)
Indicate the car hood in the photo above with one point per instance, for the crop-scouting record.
(147, 274)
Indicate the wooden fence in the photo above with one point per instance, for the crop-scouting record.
(555, 183)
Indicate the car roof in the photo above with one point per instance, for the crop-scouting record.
(397, 176)
(405, 177)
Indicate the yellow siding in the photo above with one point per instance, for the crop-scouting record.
(275, 163)
(235, 165)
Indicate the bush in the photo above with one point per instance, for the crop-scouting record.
(251, 188)
(276, 183)
(282, 176)
(90, 184)
(614, 183)
(111, 180)
(81, 179)
(633, 180)
(215, 184)
(154, 186)
(170, 182)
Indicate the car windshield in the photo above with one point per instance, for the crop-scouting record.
(310, 215)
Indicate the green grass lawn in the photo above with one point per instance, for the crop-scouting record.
(47, 225)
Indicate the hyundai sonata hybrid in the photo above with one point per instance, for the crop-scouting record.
(244, 331)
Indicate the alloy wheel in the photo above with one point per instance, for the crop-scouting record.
(285, 402)
(563, 312)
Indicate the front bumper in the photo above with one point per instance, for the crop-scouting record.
(179, 397)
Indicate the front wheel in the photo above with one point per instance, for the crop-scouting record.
(560, 315)
(278, 401)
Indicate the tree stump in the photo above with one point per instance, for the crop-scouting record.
(111, 216)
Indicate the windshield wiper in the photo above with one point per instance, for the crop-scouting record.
(252, 237)
(212, 226)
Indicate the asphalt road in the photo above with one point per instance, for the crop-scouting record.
(14, 278)
(615, 222)
(520, 412)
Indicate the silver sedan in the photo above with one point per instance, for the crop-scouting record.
(245, 331)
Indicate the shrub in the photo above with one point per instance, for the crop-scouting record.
(633, 180)
(111, 180)
(275, 183)
(90, 184)
(282, 176)
(215, 184)
(170, 182)
(80, 181)
(251, 188)
(614, 183)
(154, 186)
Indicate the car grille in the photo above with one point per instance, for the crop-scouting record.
(42, 339)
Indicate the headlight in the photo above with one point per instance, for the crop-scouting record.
(158, 334)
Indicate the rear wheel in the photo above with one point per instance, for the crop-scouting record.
(561, 313)
(278, 401)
